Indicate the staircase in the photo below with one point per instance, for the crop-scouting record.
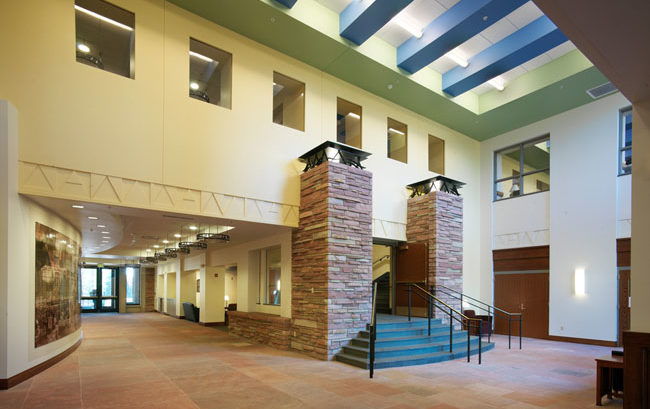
(403, 343)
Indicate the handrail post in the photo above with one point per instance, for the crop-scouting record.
(429, 315)
(520, 318)
(461, 303)
(509, 332)
(451, 331)
(479, 343)
(468, 337)
(373, 332)
(409, 290)
(490, 325)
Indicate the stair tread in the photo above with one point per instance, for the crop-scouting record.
(411, 357)
(413, 337)
(413, 346)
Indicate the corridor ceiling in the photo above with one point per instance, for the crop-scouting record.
(399, 50)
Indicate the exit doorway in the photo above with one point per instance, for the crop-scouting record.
(383, 274)
(99, 289)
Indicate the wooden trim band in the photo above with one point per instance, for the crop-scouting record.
(213, 324)
(587, 341)
(35, 370)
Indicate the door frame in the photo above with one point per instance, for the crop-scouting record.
(394, 245)
(98, 298)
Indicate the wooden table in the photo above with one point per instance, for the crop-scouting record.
(609, 377)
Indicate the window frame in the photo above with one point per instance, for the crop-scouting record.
(262, 277)
(221, 72)
(522, 174)
(137, 276)
(406, 140)
(622, 113)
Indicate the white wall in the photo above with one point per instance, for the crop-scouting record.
(624, 206)
(17, 265)
(582, 215)
(513, 227)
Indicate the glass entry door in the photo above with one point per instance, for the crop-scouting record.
(99, 287)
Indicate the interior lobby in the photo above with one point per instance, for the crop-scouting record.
(324, 203)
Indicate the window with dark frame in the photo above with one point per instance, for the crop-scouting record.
(132, 285)
(397, 140)
(210, 74)
(348, 123)
(625, 142)
(270, 275)
(522, 169)
(105, 37)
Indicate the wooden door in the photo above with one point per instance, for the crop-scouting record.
(525, 293)
(623, 303)
(412, 262)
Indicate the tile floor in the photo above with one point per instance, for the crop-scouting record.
(154, 361)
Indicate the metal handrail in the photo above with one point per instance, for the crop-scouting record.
(373, 330)
(491, 309)
(464, 320)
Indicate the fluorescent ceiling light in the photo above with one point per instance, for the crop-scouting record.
(194, 85)
(102, 18)
(83, 48)
(193, 228)
(457, 58)
(93, 218)
(353, 115)
(63, 242)
(498, 83)
(395, 131)
(106, 237)
(178, 236)
(101, 226)
(106, 232)
(69, 245)
(407, 24)
(201, 56)
(165, 241)
(78, 206)
(148, 250)
(156, 246)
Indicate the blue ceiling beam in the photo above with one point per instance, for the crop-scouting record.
(523, 45)
(363, 18)
(455, 26)
(287, 3)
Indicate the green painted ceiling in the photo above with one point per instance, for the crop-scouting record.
(551, 89)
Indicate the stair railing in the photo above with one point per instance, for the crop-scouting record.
(453, 315)
(491, 310)
(373, 330)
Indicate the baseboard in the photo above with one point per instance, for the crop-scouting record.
(213, 324)
(583, 341)
(172, 315)
(35, 370)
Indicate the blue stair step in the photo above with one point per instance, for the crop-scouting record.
(420, 359)
(412, 349)
(410, 340)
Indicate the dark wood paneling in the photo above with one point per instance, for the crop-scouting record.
(623, 303)
(582, 341)
(521, 259)
(23, 376)
(637, 370)
(526, 294)
(623, 252)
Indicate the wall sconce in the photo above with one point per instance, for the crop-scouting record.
(579, 282)
(226, 299)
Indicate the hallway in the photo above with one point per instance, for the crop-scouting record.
(153, 361)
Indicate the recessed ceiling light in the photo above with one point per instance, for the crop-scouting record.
(407, 24)
(156, 246)
(78, 206)
(102, 18)
(50, 236)
(165, 241)
(178, 236)
(353, 115)
(201, 56)
(69, 245)
(106, 237)
(395, 131)
(63, 242)
(498, 83)
(101, 226)
(194, 85)
(193, 228)
(148, 250)
(456, 57)
(83, 48)
(106, 232)
(93, 218)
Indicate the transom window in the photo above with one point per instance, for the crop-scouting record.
(625, 142)
(522, 169)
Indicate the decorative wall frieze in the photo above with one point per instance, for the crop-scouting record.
(50, 181)
(386, 229)
(522, 239)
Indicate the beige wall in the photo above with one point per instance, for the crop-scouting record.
(640, 217)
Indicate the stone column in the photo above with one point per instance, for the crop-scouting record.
(437, 219)
(331, 259)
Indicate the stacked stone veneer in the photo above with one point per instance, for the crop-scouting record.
(331, 259)
(268, 329)
(437, 219)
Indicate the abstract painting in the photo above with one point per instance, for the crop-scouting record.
(57, 311)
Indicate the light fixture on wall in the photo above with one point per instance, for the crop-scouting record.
(498, 83)
(579, 282)
(102, 18)
(455, 56)
(226, 299)
(408, 24)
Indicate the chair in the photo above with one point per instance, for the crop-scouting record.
(486, 323)
(191, 312)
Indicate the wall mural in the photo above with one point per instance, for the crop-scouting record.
(57, 311)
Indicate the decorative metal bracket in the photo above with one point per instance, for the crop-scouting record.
(148, 260)
(162, 256)
(439, 183)
(195, 244)
(335, 152)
